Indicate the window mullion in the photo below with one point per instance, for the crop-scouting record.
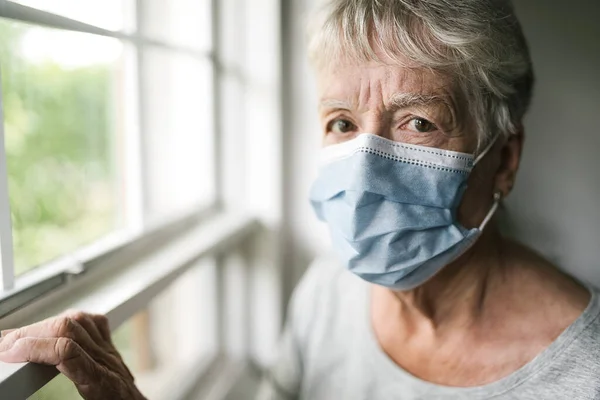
(143, 145)
(7, 277)
(216, 48)
(30, 15)
(134, 159)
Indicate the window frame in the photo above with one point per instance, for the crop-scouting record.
(249, 222)
(107, 288)
(16, 293)
(7, 270)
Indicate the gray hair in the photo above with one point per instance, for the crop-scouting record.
(478, 43)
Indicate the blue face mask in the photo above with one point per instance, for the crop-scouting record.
(391, 208)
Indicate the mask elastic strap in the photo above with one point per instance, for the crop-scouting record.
(486, 150)
(490, 214)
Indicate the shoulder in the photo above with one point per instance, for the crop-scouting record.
(589, 324)
(576, 363)
(581, 339)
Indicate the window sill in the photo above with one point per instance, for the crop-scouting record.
(123, 292)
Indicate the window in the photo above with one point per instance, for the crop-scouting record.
(175, 333)
(185, 23)
(115, 15)
(178, 131)
(103, 132)
(139, 148)
(64, 134)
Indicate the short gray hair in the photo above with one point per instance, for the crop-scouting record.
(479, 43)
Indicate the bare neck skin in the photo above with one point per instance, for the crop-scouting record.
(500, 301)
(457, 295)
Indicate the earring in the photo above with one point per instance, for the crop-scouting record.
(497, 195)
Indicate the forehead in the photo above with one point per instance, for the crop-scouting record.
(377, 83)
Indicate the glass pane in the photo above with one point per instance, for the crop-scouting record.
(185, 23)
(108, 14)
(63, 134)
(178, 131)
(163, 343)
(182, 331)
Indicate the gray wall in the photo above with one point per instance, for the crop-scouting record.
(555, 206)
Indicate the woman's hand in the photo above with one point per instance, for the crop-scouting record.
(79, 345)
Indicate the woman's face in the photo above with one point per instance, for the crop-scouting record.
(414, 106)
(400, 104)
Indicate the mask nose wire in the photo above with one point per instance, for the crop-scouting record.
(486, 150)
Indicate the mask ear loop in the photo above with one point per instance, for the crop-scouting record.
(490, 214)
(486, 150)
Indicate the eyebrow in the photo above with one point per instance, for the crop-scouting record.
(396, 101)
(406, 100)
(334, 104)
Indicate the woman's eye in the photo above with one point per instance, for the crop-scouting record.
(341, 126)
(421, 125)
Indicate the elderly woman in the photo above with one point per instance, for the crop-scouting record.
(421, 105)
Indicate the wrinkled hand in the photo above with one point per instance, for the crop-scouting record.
(79, 345)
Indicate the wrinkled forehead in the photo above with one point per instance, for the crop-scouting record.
(370, 84)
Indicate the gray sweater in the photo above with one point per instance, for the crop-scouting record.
(328, 352)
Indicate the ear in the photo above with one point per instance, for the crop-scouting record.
(510, 159)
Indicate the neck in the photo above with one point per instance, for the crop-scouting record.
(459, 293)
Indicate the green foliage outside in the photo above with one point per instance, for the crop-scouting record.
(59, 144)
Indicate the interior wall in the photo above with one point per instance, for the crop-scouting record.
(554, 206)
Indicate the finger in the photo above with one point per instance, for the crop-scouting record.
(103, 327)
(41, 328)
(48, 328)
(60, 326)
(93, 324)
(62, 352)
(6, 332)
(67, 327)
(49, 351)
(88, 324)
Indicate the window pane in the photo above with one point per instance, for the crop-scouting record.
(163, 343)
(185, 23)
(178, 131)
(64, 118)
(182, 332)
(107, 14)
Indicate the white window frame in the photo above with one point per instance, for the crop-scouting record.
(27, 289)
(122, 275)
(7, 274)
